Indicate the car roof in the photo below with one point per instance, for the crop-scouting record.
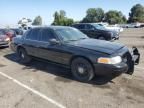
(82, 23)
(53, 27)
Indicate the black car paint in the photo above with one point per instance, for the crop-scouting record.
(97, 33)
(64, 53)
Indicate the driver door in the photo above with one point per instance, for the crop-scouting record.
(46, 50)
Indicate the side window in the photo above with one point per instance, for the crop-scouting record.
(81, 26)
(33, 34)
(89, 27)
(27, 34)
(46, 35)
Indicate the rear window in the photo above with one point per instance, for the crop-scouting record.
(33, 34)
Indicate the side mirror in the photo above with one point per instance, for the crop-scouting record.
(54, 41)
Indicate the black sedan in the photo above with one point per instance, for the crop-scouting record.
(86, 57)
(96, 31)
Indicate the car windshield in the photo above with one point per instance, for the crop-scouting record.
(70, 34)
(99, 26)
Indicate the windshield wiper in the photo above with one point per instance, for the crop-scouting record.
(72, 40)
(82, 38)
(76, 40)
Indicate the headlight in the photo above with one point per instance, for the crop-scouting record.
(7, 39)
(113, 60)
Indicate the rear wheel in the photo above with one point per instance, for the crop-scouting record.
(82, 69)
(24, 57)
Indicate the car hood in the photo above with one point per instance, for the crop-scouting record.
(98, 45)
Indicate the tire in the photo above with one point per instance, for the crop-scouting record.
(82, 69)
(23, 56)
(130, 68)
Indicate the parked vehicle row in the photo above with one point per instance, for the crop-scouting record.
(4, 39)
(86, 57)
(132, 25)
(96, 31)
(6, 35)
(111, 27)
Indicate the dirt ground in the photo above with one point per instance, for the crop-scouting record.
(55, 84)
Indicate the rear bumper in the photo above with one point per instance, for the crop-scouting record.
(106, 69)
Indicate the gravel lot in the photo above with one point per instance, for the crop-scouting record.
(46, 85)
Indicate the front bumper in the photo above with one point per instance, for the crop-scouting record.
(126, 66)
(4, 43)
(107, 69)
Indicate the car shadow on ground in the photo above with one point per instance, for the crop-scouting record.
(3, 47)
(63, 74)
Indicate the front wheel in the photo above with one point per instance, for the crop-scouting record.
(130, 68)
(82, 69)
(24, 57)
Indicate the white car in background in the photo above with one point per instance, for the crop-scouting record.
(134, 25)
(111, 27)
(131, 25)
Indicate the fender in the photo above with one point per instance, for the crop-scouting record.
(136, 55)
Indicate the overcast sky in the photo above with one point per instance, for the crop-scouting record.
(13, 10)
